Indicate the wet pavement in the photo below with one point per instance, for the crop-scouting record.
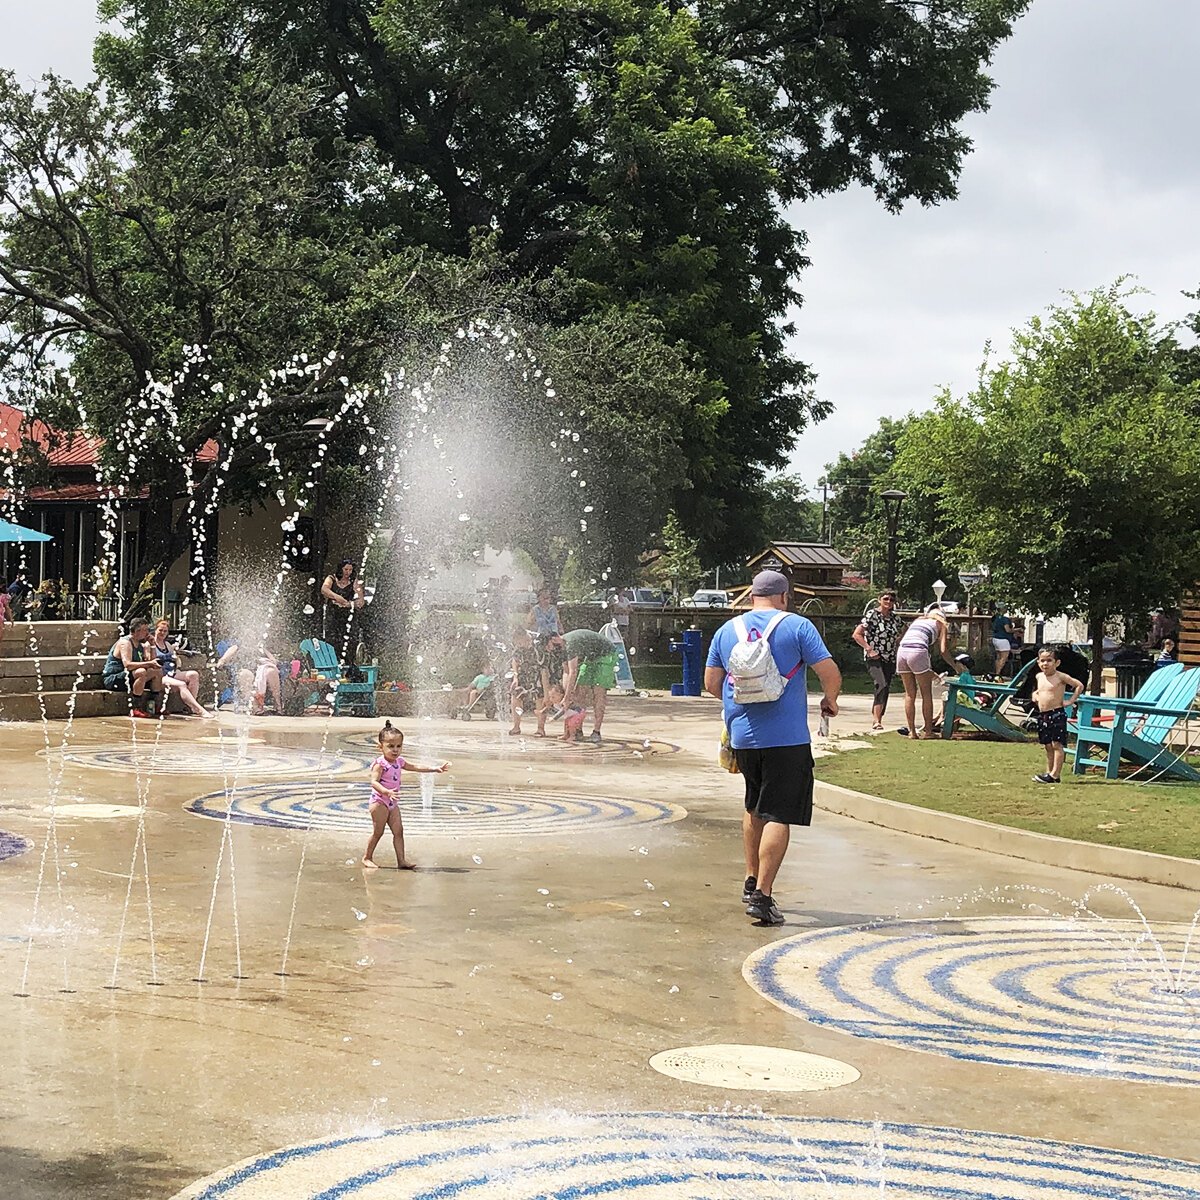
(575, 913)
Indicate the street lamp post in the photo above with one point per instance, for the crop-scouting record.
(892, 499)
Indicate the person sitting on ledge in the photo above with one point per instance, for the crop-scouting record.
(129, 667)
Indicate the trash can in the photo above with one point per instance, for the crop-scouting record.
(1131, 673)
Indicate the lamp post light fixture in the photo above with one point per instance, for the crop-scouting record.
(939, 590)
(892, 499)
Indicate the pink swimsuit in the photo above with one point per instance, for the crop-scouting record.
(389, 777)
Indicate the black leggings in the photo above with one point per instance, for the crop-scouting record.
(881, 671)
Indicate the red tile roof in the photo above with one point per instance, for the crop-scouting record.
(70, 450)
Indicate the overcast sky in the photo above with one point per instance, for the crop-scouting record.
(1083, 170)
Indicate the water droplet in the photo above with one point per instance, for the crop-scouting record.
(648, 884)
(666, 904)
(309, 610)
(643, 850)
(464, 516)
(476, 859)
(543, 891)
(672, 989)
(637, 912)
(376, 1063)
(361, 916)
(556, 995)
(368, 961)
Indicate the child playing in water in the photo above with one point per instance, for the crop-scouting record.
(1051, 708)
(385, 786)
(525, 679)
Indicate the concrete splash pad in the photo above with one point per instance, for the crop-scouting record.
(681, 1156)
(456, 810)
(1088, 997)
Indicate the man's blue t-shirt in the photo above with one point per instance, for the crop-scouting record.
(782, 722)
(998, 623)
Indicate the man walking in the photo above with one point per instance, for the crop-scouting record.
(770, 737)
(878, 633)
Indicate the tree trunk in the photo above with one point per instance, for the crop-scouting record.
(1096, 637)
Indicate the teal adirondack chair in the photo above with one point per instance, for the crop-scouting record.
(1137, 729)
(964, 703)
(356, 697)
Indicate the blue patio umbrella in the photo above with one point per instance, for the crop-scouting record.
(18, 533)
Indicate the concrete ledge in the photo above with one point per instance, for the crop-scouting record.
(1016, 843)
(24, 706)
(57, 638)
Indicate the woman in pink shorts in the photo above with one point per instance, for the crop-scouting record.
(915, 667)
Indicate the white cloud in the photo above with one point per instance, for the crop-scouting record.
(1082, 172)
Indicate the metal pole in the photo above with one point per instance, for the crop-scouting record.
(891, 558)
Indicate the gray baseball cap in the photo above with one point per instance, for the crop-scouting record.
(769, 583)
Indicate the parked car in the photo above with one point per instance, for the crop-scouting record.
(647, 598)
(707, 598)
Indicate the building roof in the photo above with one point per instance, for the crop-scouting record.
(802, 554)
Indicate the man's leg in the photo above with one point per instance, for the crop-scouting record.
(752, 829)
(772, 846)
(599, 703)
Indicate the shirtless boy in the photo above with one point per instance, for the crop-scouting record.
(1052, 712)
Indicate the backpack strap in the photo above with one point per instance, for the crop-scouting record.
(775, 620)
(739, 627)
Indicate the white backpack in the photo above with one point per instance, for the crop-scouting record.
(752, 668)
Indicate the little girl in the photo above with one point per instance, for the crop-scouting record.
(385, 784)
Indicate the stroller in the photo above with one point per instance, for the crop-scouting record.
(482, 692)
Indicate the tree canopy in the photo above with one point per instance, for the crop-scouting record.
(269, 177)
(1073, 468)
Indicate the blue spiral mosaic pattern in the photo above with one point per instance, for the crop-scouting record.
(490, 742)
(1110, 998)
(194, 758)
(687, 1156)
(11, 845)
(457, 810)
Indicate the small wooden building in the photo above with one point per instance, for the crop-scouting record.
(815, 570)
(1189, 629)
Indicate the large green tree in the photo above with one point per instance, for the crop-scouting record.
(1073, 469)
(644, 147)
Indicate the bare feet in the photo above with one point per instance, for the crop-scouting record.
(406, 866)
(515, 730)
(929, 736)
(914, 737)
(370, 862)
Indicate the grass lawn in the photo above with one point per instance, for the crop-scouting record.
(992, 781)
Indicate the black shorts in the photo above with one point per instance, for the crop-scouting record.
(779, 783)
(1052, 726)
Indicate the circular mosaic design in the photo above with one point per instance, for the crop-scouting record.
(193, 758)
(457, 810)
(1104, 998)
(11, 845)
(491, 744)
(686, 1156)
(754, 1068)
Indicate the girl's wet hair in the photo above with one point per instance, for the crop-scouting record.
(388, 730)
